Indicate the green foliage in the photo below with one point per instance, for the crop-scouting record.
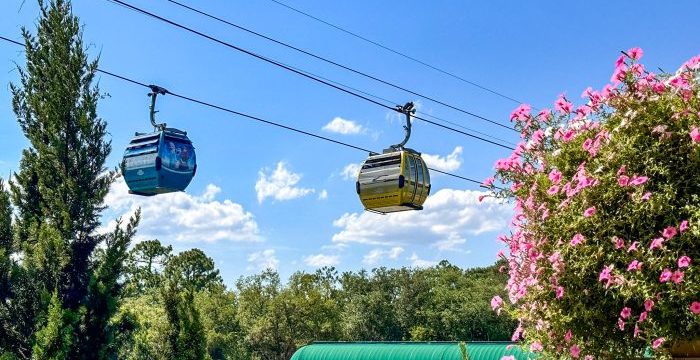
(55, 337)
(58, 300)
(145, 263)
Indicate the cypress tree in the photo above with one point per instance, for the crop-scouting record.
(63, 293)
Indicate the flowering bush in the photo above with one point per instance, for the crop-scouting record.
(606, 237)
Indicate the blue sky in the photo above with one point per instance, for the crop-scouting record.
(267, 197)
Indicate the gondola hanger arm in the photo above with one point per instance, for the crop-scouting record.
(155, 90)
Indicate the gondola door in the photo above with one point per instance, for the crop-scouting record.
(410, 186)
(420, 181)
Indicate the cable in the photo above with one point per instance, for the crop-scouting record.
(400, 53)
(318, 57)
(218, 107)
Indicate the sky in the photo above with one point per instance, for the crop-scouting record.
(265, 197)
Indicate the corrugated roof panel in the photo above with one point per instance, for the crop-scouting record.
(408, 351)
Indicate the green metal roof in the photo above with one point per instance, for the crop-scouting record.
(408, 351)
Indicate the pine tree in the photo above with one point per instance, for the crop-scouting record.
(64, 291)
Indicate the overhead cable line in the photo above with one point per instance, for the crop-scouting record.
(404, 55)
(299, 72)
(337, 64)
(251, 117)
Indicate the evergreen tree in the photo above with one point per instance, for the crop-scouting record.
(63, 291)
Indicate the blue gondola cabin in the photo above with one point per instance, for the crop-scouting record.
(159, 162)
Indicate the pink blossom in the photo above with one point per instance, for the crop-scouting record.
(589, 212)
(620, 61)
(621, 324)
(577, 239)
(635, 53)
(695, 307)
(622, 170)
(646, 196)
(677, 277)
(536, 346)
(619, 74)
(695, 134)
(619, 243)
(588, 357)
(553, 190)
(638, 180)
(648, 304)
(683, 261)
(496, 303)
(626, 312)
(669, 232)
(623, 180)
(489, 181)
(656, 243)
(521, 113)
(634, 265)
(643, 316)
(544, 114)
(587, 144)
(508, 357)
(633, 247)
(575, 351)
(555, 176)
(636, 330)
(517, 333)
(605, 274)
(683, 226)
(560, 292)
(658, 342)
(567, 336)
(562, 105)
(665, 275)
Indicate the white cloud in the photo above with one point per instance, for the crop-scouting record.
(323, 195)
(342, 126)
(375, 256)
(181, 216)
(350, 171)
(280, 185)
(422, 263)
(320, 260)
(448, 217)
(450, 162)
(263, 260)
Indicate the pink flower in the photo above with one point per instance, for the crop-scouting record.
(648, 304)
(636, 330)
(619, 243)
(587, 144)
(577, 239)
(695, 307)
(588, 357)
(623, 180)
(536, 346)
(695, 134)
(683, 226)
(646, 196)
(634, 265)
(683, 261)
(622, 170)
(567, 336)
(665, 276)
(657, 243)
(553, 190)
(635, 53)
(508, 357)
(625, 313)
(521, 113)
(562, 105)
(621, 324)
(605, 274)
(555, 176)
(658, 342)
(620, 61)
(489, 181)
(496, 303)
(677, 277)
(575, 351)
(669, 232)
(638, 180)
(544, 114)
(589, 212)
(560, 292)
(643, 316)
(633, 247)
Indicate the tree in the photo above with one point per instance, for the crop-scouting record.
(58, 194)
(145, 263)
(606, 221)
